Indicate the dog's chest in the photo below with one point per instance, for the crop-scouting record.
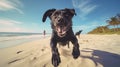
(63, 43)
(63, 39)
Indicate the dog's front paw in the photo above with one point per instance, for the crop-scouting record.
(76, 52)
(55, 60)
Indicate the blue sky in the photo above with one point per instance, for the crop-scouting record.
(26, 15)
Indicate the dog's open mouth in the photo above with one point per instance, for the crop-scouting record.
(61, 30)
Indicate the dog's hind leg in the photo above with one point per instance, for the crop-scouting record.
(68, 44)
(76, 51)
(79, 36)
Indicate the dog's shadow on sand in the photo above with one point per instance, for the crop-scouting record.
(106, 59)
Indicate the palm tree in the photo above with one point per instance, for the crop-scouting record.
(113, 22)
(118, 18)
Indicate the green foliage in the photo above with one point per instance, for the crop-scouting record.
(107, 31)
(113, 21)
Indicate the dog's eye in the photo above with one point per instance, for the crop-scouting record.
(57, 13)
(55, 17)
(67, 15)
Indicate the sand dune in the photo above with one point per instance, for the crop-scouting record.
(96, 51)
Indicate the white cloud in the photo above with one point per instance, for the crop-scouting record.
(11, 29)
(14, 29)
(87, 27)
(84, 27)
(84, 6)
(6, 5)
(8, 25)
(9, 22)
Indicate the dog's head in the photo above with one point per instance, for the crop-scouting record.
(61, 20)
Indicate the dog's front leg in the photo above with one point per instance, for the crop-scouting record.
(55, 54)
(76, 51)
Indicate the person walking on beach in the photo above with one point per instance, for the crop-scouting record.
(44, 33)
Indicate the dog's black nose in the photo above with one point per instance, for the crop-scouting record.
(60, 20)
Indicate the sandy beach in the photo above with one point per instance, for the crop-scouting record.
(96, 51)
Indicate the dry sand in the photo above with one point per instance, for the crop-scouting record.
(96, 51)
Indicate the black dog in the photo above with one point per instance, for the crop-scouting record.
(78, 33)
(61, 24)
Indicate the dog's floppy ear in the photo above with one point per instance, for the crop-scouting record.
(48, 13)
(72, 11)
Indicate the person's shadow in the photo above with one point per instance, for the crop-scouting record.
(106, 59)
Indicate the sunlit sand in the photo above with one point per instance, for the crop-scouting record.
(96, 51)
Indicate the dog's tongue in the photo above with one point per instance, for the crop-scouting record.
(61, 30)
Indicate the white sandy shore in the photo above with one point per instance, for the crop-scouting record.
(96, 51)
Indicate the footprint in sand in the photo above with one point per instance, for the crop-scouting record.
(19, 52)
(13, 61)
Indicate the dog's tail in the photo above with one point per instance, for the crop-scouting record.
(78, 33)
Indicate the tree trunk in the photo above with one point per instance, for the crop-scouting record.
(114, 28)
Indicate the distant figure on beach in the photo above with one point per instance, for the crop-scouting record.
(44, 33)
(78, 33)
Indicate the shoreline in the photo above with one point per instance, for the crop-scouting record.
(18, 40)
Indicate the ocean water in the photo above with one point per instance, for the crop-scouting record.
(8, 39)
